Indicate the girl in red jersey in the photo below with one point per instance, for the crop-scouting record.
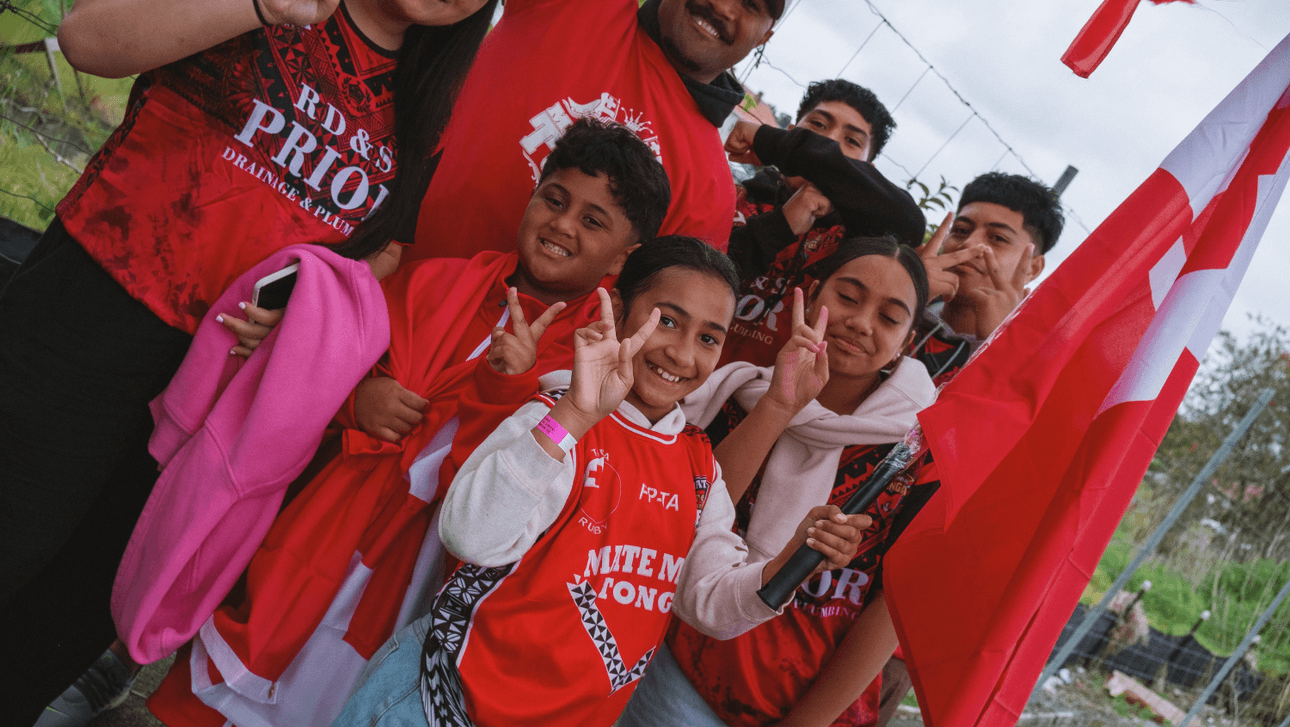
(810, 665)
(584, 520)
(254, 124)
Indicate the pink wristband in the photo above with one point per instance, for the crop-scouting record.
(558, 434)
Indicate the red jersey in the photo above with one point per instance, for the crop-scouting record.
(763, 315)
(279, 136)
(562, 635)
(755, 679)
(546, 64)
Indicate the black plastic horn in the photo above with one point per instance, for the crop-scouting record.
(799, 567)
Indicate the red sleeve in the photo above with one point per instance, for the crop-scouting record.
(488, 399)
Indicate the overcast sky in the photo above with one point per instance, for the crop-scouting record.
(1173, 64)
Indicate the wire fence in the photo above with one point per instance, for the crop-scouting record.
(52, 118)
(972, 113)
(1187, 619)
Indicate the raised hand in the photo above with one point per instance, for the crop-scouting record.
(807, 205)
(515, 353)
(383, 408)
(602, 366)
(827, 530)
(941, 281)
(739, 145)
(993, 304)
(297, 12)
(252, 331)
(802, 366)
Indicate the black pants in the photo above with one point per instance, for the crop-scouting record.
(79, 361)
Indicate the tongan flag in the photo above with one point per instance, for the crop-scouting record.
(1099, 34)
(1043, 439)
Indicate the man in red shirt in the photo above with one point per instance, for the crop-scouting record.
(660, 70)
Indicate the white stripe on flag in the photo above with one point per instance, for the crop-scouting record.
(1194, 307)
(1204, 162)
(1165, 272)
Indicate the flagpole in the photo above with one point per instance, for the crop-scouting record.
(1149, 547)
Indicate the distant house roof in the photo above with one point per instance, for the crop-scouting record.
(754, 109)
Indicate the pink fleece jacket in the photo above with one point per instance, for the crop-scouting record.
(231, 434)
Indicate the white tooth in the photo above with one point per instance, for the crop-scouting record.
(556, 249)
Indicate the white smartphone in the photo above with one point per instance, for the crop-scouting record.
(273, 290)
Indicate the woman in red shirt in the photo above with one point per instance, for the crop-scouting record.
(253, 125)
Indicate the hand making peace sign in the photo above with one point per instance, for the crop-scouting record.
(994, 303)
(941, 281)
(602, 366)
(515, 353)
(802, 366)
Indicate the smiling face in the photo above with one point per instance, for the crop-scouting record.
(1001, 228)
(871, 302)
(573, 233)
(703, 38)
(677, 358)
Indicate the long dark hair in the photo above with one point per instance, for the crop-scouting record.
(433, 62)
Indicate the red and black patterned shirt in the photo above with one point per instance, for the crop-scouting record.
(763, 314)
(755, 679)
(280, 136)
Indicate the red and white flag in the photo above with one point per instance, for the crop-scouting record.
(1099, 34)
(1043, 439)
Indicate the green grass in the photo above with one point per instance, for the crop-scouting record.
(1173, 605)
(80, 109)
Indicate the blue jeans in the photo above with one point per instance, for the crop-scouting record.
(664, 698)
(389, 688)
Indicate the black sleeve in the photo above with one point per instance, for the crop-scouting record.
(868, 203)
(754, 245)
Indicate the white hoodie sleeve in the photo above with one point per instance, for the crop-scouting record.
(507, 493)
(717, 590)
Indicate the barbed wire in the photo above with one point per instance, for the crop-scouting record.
(7, 5)
(781, 70)
(40, 133)
(28, 197)
(929, 67)
(884, 21)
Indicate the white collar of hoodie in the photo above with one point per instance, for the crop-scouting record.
(802, 465)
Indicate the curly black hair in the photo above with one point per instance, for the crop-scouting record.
(1041, 211)
(857, 97)
(636, 178)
